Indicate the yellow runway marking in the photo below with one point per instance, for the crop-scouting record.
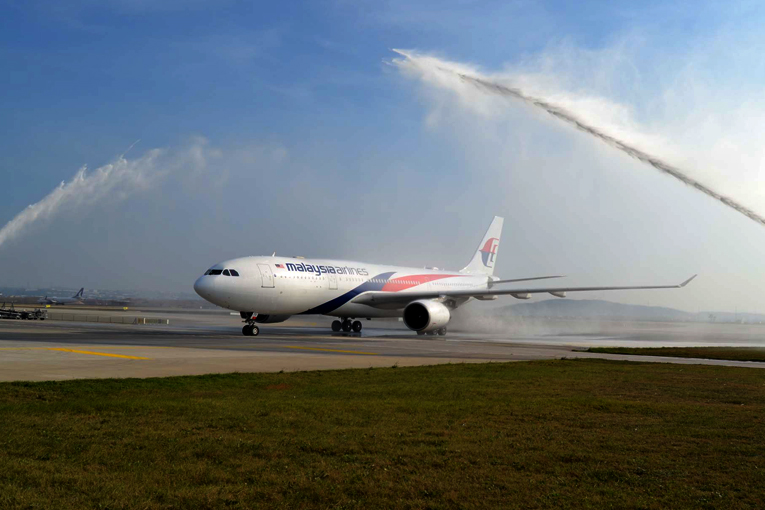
(107, 347)
(61, 349)
(332, 350)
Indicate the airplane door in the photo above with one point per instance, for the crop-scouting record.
(332, 281)
(266, 276)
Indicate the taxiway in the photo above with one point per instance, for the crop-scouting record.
(204, 342)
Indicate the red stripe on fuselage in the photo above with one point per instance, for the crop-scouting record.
(407, 282)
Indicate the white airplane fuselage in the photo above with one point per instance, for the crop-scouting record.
(291, 286)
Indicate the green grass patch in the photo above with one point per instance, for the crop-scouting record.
(554, 434)
(727, 353)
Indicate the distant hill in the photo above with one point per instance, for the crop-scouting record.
(595, 308)
(584, 308)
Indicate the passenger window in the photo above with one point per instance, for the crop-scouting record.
(215, 272)
(234, 272)
(226, 273)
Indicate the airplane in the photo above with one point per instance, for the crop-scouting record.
(268, 290)
(76, 299)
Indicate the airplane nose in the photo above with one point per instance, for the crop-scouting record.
(204, 286)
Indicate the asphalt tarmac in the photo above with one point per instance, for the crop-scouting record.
(204, 342)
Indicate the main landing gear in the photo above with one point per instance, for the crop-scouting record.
(347, 326)
(440, 332)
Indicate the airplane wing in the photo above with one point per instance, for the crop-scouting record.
(377, 298)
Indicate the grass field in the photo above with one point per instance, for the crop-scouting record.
(563, 434)
(728, 353)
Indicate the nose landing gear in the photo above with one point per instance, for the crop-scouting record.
(250, 330)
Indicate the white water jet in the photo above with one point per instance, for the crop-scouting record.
(450, 75)
(114, 181)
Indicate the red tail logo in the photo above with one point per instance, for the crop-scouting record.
(489, 252)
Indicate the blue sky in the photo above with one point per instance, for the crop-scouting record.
(309, 133)
(85, 79)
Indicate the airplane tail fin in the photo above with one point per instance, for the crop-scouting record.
(79, 293)
(486, 254)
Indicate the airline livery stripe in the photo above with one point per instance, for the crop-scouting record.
(372, 284)
(381, 282)
(407, 282)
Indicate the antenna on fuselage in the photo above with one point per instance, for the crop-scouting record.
(273, 254)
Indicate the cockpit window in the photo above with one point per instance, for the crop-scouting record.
(226, 273)
(214, 272)
(207, 272)
(234, 272)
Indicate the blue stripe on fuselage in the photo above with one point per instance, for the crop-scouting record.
(339, 301)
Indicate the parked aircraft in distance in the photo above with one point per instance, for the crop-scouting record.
(74, 300)
(272, 289)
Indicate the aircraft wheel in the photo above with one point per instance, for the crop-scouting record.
(250, 330)
(357, 326)
(337, 326)
(347, 325)
(442, 331)
(420, 333)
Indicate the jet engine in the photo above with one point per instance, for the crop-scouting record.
(270, 319)
(425, 315)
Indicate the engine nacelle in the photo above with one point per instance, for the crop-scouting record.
(270, 319)
(425, 315)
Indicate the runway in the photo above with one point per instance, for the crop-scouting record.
(202, 343)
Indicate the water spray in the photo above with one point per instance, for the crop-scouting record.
(114, 181)
(493, 87)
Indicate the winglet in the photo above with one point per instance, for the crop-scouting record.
(686, 282)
